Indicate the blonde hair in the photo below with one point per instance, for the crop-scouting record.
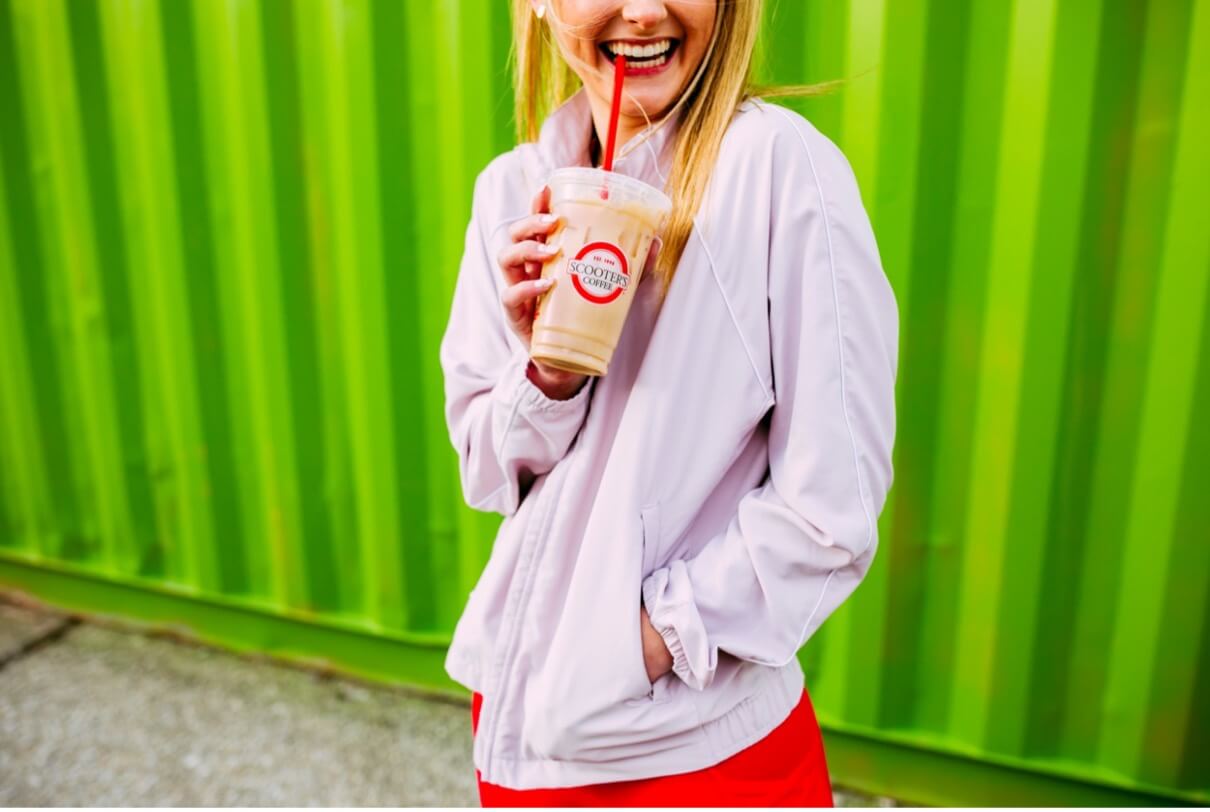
(544, 80)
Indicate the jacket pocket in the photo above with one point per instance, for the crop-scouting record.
(651, 548)
(656, 691)
(651, 537)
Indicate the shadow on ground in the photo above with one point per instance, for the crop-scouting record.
(93, 715)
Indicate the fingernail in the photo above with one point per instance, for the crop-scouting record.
(547, 248)
(543, 284)
(547, 219)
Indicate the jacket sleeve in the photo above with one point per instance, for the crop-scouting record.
(505, 429)
(800, 543)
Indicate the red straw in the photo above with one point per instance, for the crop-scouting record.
(619, 73)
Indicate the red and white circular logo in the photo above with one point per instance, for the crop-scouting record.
(599, 272)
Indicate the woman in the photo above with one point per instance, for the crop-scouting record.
(676, 529)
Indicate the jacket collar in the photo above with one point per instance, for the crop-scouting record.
(567, 133)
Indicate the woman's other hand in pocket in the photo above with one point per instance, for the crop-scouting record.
(656, 656)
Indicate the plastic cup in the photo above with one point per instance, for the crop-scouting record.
(607, 223)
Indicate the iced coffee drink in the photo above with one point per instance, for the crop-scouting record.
(607, 224)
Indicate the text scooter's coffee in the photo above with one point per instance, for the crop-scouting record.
(605, 240)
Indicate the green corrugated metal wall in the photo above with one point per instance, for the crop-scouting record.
(228, 238)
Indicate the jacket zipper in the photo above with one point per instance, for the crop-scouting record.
(542, 525)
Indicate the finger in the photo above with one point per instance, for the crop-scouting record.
(536, 225)
(653, 253)
(541, 201)
(512, 271)
(517, 260)
(512, 257)
(516, 297)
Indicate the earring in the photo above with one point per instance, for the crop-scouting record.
(540, 11)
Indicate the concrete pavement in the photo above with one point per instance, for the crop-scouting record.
(92, 715)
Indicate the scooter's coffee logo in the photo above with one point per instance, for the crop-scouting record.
(599, 273)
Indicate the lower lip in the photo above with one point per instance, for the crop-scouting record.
(652, 71)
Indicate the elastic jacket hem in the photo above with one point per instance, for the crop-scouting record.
(777, 692)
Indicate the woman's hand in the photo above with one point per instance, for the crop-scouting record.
(521, 262)
(656, 656)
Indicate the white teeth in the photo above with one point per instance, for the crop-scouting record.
(639, 51)
(648, 63)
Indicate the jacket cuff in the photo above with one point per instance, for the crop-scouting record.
(676, 619)
(519, 388)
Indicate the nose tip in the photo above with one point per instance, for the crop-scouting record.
(645, 13)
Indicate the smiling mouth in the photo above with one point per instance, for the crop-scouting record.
(641, 56)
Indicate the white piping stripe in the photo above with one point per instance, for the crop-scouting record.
(697, 229)
(735, 321)
(839, 349)
(844, 404)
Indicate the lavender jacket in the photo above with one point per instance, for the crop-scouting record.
(727, 472)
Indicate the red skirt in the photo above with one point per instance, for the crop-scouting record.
(786, 768)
